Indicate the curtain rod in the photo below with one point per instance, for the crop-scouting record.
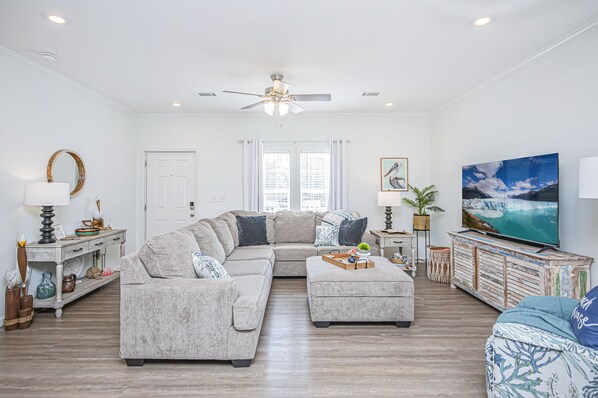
(295, 141)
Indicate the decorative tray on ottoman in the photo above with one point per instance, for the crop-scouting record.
(342, 260)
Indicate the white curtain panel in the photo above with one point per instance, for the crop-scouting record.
(252, 174)
(338, 174)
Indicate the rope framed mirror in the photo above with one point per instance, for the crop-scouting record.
(65, 165)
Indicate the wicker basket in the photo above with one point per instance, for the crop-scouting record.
(439, 267)
(421, 223)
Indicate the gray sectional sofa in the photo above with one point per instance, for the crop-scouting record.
(168, 313)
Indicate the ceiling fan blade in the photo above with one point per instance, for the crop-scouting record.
(254, 105)
(312, 97)
(280, 87)
(238, 92)
(293, 107)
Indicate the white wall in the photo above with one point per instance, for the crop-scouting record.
(550, 105)
(39, 114)
(216, 138)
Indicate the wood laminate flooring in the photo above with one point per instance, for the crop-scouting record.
(442, 354)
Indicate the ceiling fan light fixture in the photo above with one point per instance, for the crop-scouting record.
(283, 108)
(269, 108)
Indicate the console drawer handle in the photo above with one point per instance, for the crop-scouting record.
(116, 239)
(77, 250)
(99, 244)
(398, 241)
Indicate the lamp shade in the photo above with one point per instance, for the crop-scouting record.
(47, 194)
(389, 198)
(588, 178)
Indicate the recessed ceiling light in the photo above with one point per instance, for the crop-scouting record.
(56, 19)
(482, 21)
(46, 56)
(389, 104)
(176, 104)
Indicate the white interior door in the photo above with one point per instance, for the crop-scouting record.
(170, 191)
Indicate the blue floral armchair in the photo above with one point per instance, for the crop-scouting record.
(523, 361)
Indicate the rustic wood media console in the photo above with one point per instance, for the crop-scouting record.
(501, 273)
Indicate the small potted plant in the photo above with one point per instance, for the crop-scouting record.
(363, 249)
(423, 203)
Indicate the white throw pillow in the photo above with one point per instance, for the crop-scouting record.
(208, 267)
(327, 235)
(336, 217)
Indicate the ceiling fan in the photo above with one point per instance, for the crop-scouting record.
(278, 99)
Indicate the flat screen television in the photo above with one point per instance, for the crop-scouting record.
(515, 198)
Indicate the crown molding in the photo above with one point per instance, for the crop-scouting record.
(501, 75)
(68, 81)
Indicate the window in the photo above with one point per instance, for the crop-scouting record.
(296, 176)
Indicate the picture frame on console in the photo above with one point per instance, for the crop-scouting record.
(394, 174)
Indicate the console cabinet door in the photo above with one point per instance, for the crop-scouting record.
(491, 277)
(464, 264)
(523, 279)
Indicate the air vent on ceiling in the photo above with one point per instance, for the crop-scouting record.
(205, 94)
(370, 93)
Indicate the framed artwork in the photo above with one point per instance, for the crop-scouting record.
(59, 232)
(394, 174)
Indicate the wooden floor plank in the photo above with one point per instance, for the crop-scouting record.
(442, 354)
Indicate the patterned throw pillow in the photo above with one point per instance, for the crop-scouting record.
(584, 319)
(326, 235)
(336, 217)
(208, 267)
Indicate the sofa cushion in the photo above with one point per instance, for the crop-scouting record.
(248, 267)
(584, 319)
(326, 235)
(252, 253)
(351, 231)
(295, 227)
(208, 267)
(231, 222)
(252, 230)
(169, 255)
(294, 251)
(223, 233)
(270, 217)
(250, 305)
(207, 240)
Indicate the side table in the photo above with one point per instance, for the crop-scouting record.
(405, 242)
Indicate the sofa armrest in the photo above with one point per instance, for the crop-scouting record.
(177, 318)
(540, 338)
(371, 240)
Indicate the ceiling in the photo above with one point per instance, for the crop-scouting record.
(146, 55)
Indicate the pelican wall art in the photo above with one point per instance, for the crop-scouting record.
(393, 174)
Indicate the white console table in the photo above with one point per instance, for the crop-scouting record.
(404, 242)
(62, 250)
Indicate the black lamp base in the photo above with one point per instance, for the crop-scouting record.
(388, 213)
(47, 229)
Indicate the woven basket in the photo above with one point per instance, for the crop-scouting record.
(439, 266)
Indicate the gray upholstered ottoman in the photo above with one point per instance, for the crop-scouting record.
(380, 294)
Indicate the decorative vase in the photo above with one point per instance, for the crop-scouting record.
(46, 288)
(68, 283)
(421, 223)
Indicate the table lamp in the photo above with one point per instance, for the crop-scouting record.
(588, 178)
(47, 195)
(389, 199)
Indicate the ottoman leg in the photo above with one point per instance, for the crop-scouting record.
(322, 324)
(403, 324)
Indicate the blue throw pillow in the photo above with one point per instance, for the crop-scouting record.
(584, 319)
(252, 230)
(351, 232)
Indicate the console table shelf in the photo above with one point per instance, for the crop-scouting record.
(501, 273)
(62, 250)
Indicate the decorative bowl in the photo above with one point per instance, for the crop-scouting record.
(86, 231)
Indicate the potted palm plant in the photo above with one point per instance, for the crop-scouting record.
(423, 203)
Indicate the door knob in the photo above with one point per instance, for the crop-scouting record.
(192, 215)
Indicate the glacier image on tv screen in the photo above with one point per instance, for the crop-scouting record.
(517, 198)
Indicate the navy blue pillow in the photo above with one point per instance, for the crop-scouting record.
(351, 232)
(252, 230)
(584, 319)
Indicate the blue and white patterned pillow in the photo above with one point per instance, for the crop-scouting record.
(336, 217)
(327, 235)
(208, 267)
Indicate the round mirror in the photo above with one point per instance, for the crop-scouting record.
(66, 166)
